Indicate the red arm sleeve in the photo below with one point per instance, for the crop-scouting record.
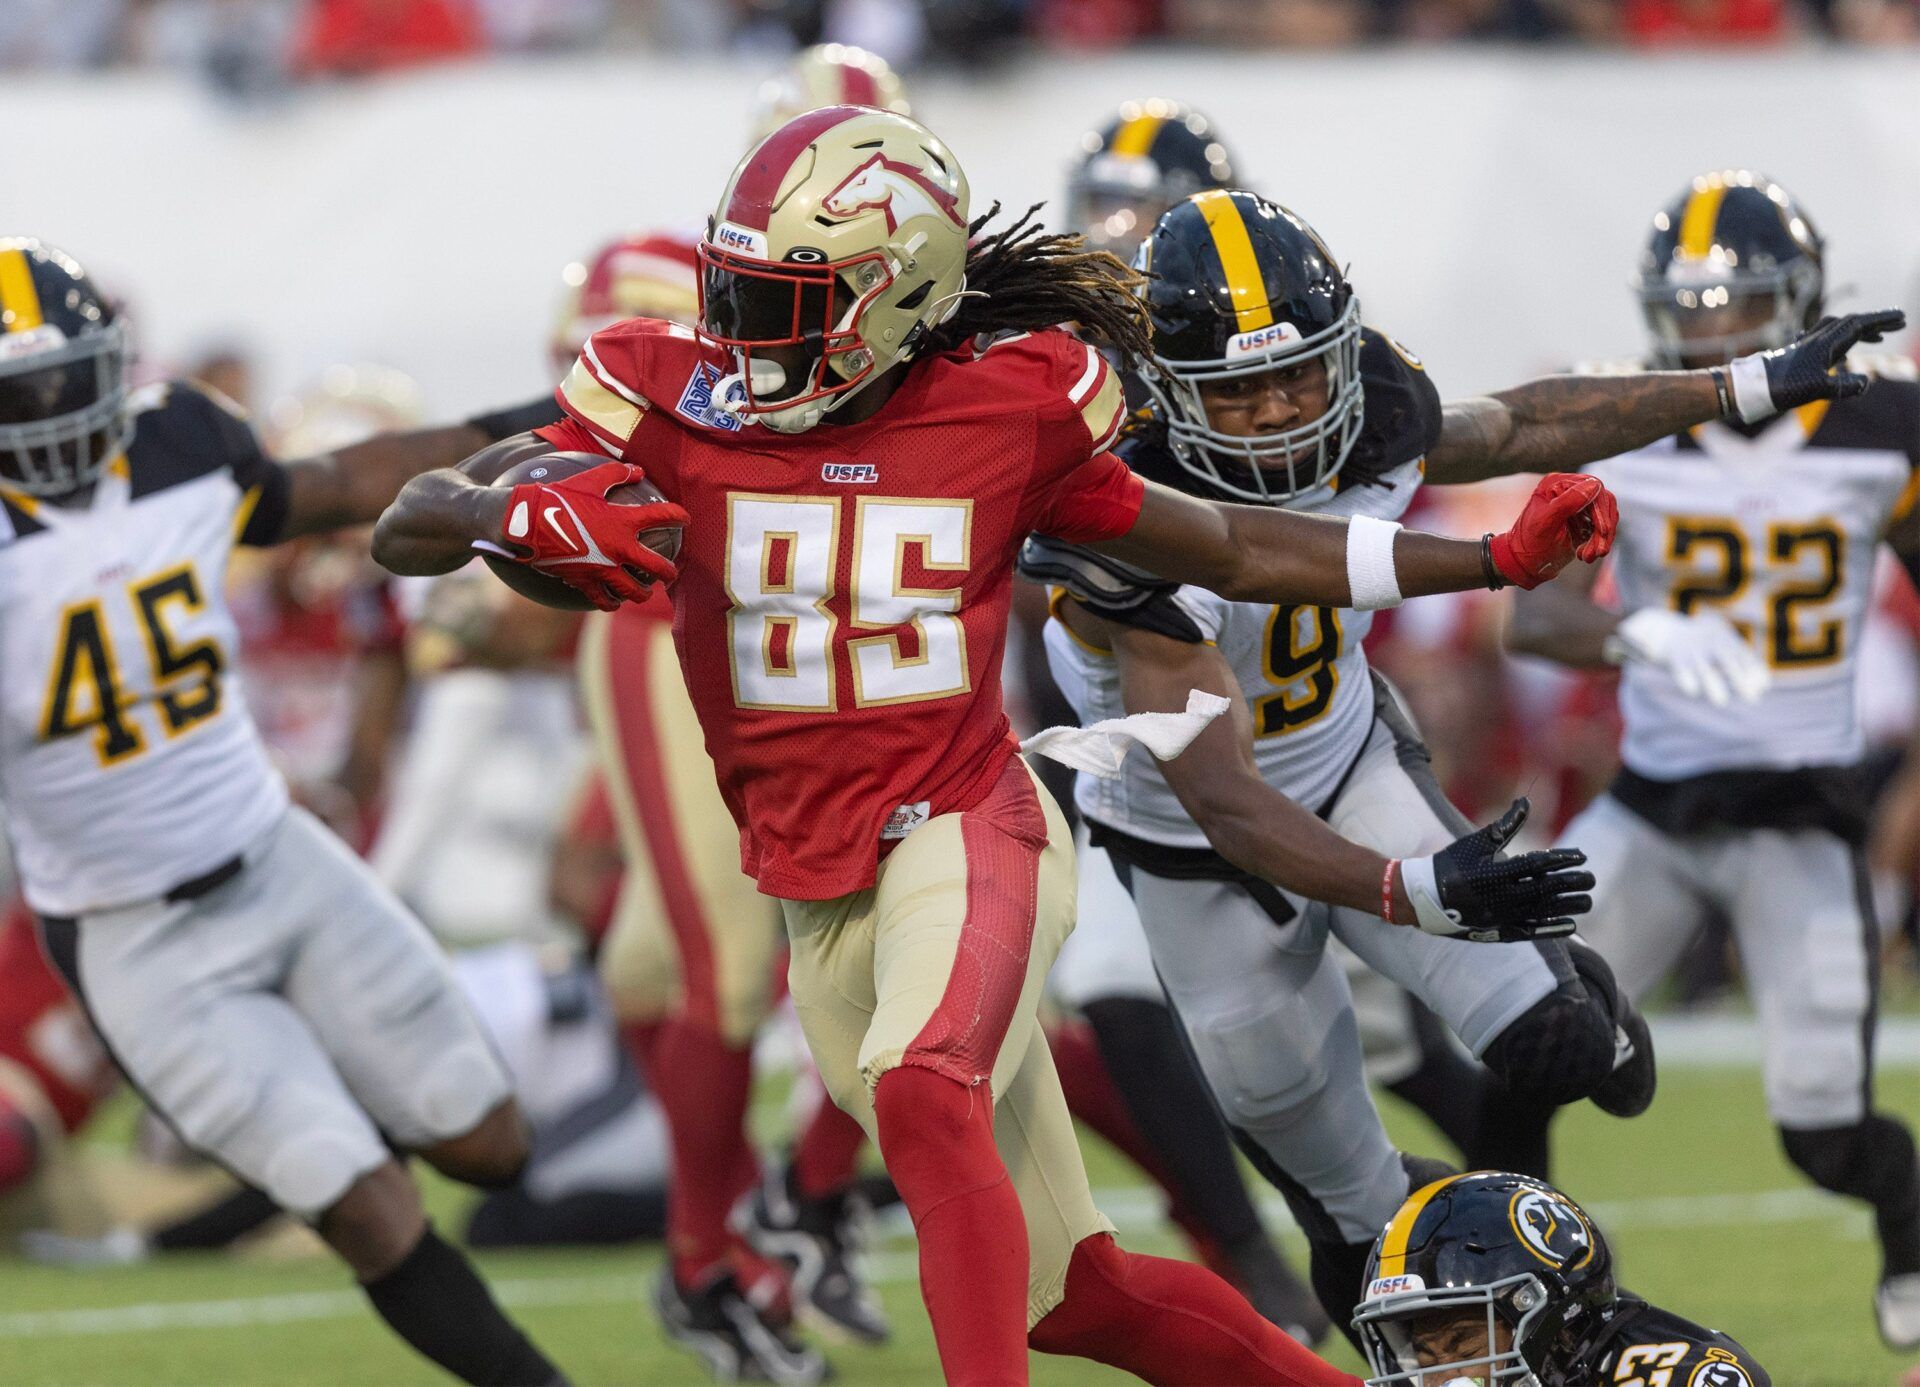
(1085, 492)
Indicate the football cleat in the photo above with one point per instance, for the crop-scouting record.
(817, 1239)
(734, 1340)
(1628, 1091)
(1896, 1305)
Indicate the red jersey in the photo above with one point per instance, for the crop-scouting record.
(842, 601)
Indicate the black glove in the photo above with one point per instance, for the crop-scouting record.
(1767, 383)
(1467, 891)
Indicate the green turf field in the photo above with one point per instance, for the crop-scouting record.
(1703, 1212)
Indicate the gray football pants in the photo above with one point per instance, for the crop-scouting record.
(285, 1020)
(1805, 928)
(1269, 1014)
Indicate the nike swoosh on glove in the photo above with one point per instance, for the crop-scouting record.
(1568, 517)
(570, 529)
(1467, 891)
(1767, 383)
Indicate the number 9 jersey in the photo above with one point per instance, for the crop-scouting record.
(1777, 532)
(128, 763)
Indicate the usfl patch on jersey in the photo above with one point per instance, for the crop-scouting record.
(697, 404)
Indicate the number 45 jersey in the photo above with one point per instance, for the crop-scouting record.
(842, 601)
(128, 763)
(1777, 532)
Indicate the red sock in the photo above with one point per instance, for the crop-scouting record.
(703, 1084)
(19, 1147)
(1173, 1324)
(825, 1157)
(937, 1137)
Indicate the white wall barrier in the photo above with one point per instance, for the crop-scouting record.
(1491, 203)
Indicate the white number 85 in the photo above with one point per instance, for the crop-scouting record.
(782, 553)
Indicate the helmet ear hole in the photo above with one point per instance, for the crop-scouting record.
(917, 297)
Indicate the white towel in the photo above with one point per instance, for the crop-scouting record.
(1100, 749)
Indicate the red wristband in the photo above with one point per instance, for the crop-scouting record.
(1386, 889)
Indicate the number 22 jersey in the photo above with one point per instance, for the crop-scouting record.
(128, 763)
(841, 607)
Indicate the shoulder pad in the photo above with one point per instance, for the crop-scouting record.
(184, 431)
(1401, 418)
(1092, 578)
(629, 368)
(1112, 589)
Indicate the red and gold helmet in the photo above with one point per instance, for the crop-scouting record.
(654, 275)
(839, 244)
(828, 74)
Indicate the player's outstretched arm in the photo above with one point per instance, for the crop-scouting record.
(432, 523)
(353, 485)
(1561, 422)
(1266, 554)
(1462, 890)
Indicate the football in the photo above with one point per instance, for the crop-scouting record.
(545, 588)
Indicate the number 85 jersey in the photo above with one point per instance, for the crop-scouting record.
(841, 606)
(1777, 532)
(128, 763)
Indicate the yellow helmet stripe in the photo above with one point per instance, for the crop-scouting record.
(19, 300)
(1237, 260)
(1701, 215)
(1135, 138)
(1393, 1242)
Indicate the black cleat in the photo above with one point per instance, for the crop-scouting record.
(817, 1239)
(733, 1340)
(1628, 1091)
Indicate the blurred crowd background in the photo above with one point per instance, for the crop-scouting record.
(260, 46)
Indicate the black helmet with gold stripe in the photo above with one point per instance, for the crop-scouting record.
(1733, 266)
(1238, 287)
(1149, 156)
(1497, 1279)
(63, 373)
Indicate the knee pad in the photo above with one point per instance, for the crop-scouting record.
(1560, 1050)
(1873, 1159)
(455, 1092)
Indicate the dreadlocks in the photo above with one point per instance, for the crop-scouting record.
(1023, 277)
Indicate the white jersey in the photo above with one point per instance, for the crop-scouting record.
(128, 763)
(1300, 669)
(1778, 533)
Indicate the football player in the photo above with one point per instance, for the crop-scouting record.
(248, 974)
(1745, 573)
(693, 959)
(1131, 170)
(1146, 158)
(1269, 389)
(876, 410)
(828, 74)
(1498, 1280)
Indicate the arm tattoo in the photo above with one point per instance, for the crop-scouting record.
(1557, 423)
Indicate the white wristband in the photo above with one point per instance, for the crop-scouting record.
(1747, 378)
(1371, 578)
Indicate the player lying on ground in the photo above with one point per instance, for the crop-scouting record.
(1267, 388)
(1745, 573)
(1498, 1280)
(876, 414)
(256, 984)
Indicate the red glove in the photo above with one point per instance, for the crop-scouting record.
(1568, 516)
(570, 529)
